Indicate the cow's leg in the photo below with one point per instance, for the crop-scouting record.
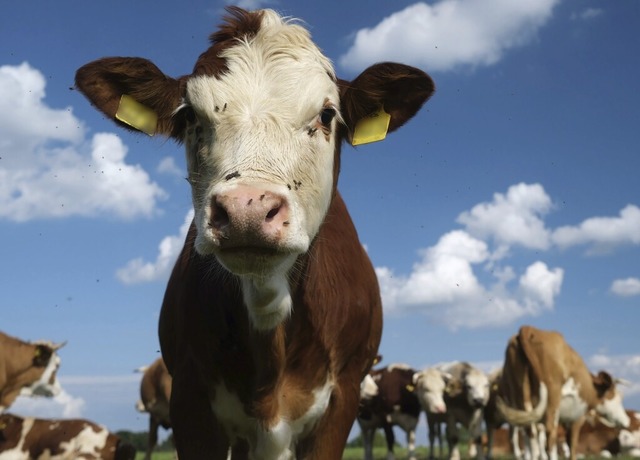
(411, 443)
(452, 440)
(514, 438)
(152, 438)
(196, 432)
(431, 436)
(551, 428)
(390, 437)
(573, 435)
(367, 440)
(330, 435)
(490, 431)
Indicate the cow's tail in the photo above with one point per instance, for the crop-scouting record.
(519, 417)
(124, 451)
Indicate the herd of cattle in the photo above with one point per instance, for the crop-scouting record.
(541, 402)
(272, 315)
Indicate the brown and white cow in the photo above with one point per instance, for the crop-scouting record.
(541, 369)
(27, 369)
(393, 403)
(272, 315)
(466, 396)
(27, 438)
(155, 397)
(430, 385)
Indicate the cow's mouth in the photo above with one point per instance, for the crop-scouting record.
(254, 260)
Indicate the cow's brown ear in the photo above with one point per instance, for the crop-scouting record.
(42, 355)
(105, 81)
(453, 388)
(397, 88)
(602, 382)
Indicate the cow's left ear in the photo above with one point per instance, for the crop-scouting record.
(150, 97)
(603, 382)
(397, 88)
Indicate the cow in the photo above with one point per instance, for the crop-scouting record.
(26, 438)
(155, 396)
(272, 315)
(466, 396)
(394, 402)
(598, 438)
(430, 385)
(27, 369)
(541, 368)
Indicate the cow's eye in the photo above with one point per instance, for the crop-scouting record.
(327, 115)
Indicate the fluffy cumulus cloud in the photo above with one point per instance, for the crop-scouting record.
(602, 234)
(48, 168)
(140, 271)
(445, 286)
(449, 34)
(63, 405)
(627, 287)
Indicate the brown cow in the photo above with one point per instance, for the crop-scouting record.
(541, 368)
(272, 315)
(27, 369)
(155, 395)
(394, 403)
(27, 438)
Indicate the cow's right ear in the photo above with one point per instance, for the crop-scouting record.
(400, 90)
(42, 355)
(105, 81)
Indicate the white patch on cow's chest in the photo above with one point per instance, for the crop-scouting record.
(572, 407)
(277, 442)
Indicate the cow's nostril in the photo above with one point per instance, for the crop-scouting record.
(271, 214)
(220, 217)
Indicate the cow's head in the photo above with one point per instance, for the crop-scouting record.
(262, 117)
(430, 385)
(368, 388)
(45, 357)
(476, 387)
(609, 407)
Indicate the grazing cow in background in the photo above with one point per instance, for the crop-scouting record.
(272, 315)
(466, 396)
(27, 438)
(600, 439)
(27, 369)
(541, 369)
(155, 396)
(430, 385)
(394, 403)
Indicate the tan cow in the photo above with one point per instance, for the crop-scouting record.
(28, 438)
(541, 369)
(272, 315)
(155, 397)
(430, 385)
(27, 369)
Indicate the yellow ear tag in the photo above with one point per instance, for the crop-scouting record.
(137, 115)
(371, 128)
(410, 387)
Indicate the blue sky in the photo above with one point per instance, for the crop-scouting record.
(512, 198)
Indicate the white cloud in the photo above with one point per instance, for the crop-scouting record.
(139, 271)
(168, 166)
(587, 14)
(602, 233)
(61, 406)
(49, 169)
(444, 286)
(514, 218)
(449, 33)
(628, 287)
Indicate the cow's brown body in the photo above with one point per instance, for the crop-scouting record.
(535, 357)
(28, 438)
(155, 397)
(22, 369)
(272, 315)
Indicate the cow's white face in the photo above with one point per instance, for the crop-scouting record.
(260, 146)
(611, 410)
(477, 388)
(430, 386)
(368, 388)
(47, 385)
